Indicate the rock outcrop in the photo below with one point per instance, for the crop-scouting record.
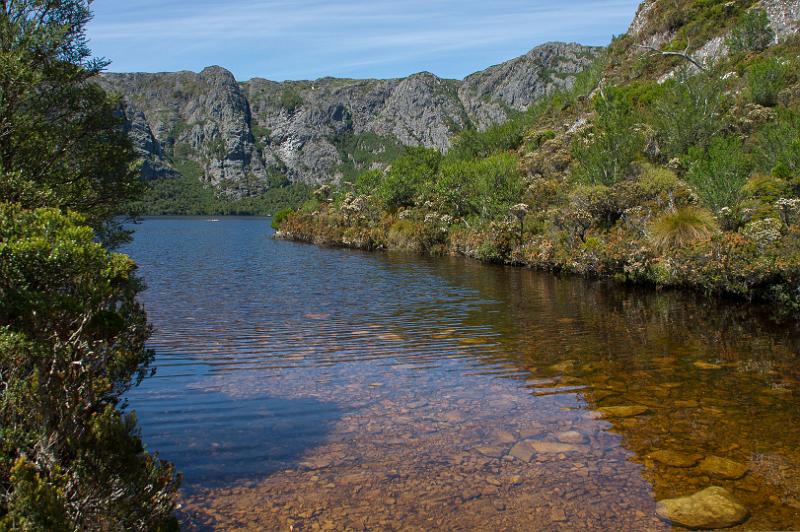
(520, 82)
(239, 137)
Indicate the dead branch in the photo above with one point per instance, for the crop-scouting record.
(683, 55)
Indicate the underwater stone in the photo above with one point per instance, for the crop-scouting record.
(713, 507)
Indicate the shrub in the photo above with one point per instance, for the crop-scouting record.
(502, 137)
(776, 145)
(406, 177)
(765, 188)
(688, 113)
(534, 140)
(589, 206)
(280, 216)
(604, 156)
(290, 100)
(718, 172)
(682, 227)
(72, 343)
(765, 79)
(752, 33)
(655, 190)
(403, 235)
(497, 185)
(368, 182)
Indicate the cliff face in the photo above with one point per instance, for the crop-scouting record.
(241, 137)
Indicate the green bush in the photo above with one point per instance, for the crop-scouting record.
(776, 145)
(765, 79)
(291, 100)
(604, 156)
(279, 217)
(497, 185)
(689, 112)
(765, 188)
(719, 171)
(752, 33)
(503, 137)
(71, 344)
(407, 175)
(367, 182)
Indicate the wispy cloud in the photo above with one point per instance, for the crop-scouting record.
(283, 39)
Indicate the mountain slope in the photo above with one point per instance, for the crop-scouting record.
(243, 138)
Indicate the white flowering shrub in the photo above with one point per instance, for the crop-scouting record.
(763, 232)
(789, 209)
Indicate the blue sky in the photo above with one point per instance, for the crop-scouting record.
(308, 39)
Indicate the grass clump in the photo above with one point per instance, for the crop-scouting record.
(682, 227)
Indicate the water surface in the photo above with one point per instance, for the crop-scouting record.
(331, 389)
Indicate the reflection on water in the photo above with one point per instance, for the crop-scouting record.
(330, 389)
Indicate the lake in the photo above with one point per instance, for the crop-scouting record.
(327, 389)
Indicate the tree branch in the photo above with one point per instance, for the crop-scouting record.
(682, 55)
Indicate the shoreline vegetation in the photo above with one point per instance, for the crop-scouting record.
(656, 168)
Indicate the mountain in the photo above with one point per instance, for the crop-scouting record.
(245, 137)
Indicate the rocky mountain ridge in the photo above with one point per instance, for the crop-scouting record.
(243, 138)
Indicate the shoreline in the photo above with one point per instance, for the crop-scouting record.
(756, 297)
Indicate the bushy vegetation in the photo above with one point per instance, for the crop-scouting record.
(72, 334)
(751, 33)
(674, 175)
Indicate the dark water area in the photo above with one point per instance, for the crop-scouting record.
(310, 388)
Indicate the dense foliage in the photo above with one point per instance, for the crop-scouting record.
(72, 334)
(663, 173)
(187, 196)
(61, 143)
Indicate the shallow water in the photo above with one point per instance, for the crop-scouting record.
(308, 388)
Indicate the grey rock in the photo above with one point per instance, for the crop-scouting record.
(784, 16)
(490, 95)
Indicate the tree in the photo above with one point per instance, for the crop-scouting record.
(61, 141)
(72, 334)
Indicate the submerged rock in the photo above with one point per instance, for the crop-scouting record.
(713, 507)
(522, 451)
(564, 367)
(622, 411)
(673, 458)
(706, 365)
(503, 436)
(571, 436)
(552, 447)
(492, 451)
(716, 466)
